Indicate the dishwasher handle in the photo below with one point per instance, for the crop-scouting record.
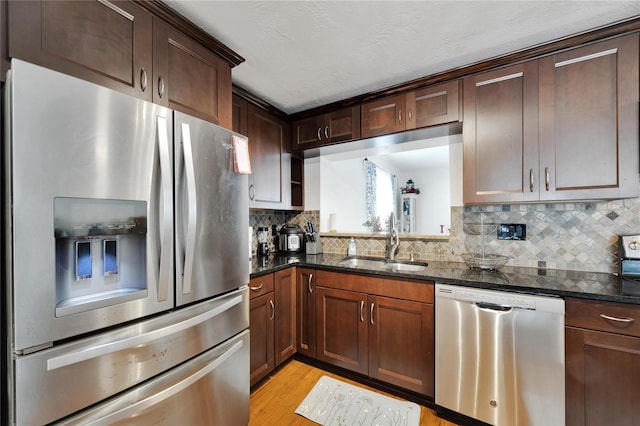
(493, 307)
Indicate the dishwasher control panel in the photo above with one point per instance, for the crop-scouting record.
(499, 298)
(495, 298)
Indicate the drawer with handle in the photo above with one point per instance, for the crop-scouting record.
(261, 285)
(613, 317)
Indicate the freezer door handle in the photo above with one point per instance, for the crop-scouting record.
(166, 227)
(140, 339)
(192, 208)
(140, 406)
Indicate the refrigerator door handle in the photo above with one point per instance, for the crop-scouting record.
(166, 228)
(140, 339)
(192, 208)
(140, 406)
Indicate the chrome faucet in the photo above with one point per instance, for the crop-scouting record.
(394, 239)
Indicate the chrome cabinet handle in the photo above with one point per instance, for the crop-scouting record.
(252, 192)
(399, 116)
(143, 79)
(256, 289)
(610, 318)
(362, 311)
(192, 210)
(309, 283)
(319, 135)
(546, 178)
(166, 231)
(141, 405)
(139, 339)
(410, 115)
(160, 87)
(326, 132)
(371, 314)
(530, 180)
(273, 309)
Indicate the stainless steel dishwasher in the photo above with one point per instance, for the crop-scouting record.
(500, 356)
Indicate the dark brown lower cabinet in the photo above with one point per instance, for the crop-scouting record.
(262, 360)
(401, 343)
(602, 367)
(285, 315)
(272, 322)
(379, 327)
(306, 311)
(342, 329)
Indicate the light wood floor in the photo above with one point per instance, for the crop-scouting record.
(274, 401)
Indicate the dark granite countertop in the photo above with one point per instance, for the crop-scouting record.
(585, 285)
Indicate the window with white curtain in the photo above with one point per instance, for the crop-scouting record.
(379, 196)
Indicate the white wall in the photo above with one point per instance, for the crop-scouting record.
(312, 183)
(341, 189)
(455, 170)
(433, 203)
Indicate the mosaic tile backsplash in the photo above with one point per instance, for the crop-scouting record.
(564, 236)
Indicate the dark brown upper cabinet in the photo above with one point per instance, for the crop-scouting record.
(500, 131)
(383, 116)
(121, 45)
(109, 43)
(430, 106)
(190, 78)
(433, 105)
(589, 122)
(333, 127)
(270, 160)
(239, 115)
(564, 127)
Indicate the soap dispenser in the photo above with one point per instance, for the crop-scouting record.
(351, 251)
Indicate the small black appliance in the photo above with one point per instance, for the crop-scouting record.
(629, 271)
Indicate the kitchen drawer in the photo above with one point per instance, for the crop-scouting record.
(261, 285)
(617, 318)
(389, 287)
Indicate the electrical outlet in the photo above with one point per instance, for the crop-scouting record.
(512, 231)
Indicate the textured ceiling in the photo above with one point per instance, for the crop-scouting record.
(302, 54)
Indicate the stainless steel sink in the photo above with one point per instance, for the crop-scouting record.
(407, 266)
(362, 262)
(378, 263)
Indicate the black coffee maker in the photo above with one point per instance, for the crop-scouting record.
(629, 273)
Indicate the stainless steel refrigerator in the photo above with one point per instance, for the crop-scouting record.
(125, 259)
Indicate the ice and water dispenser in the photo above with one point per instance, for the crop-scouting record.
(100, 253)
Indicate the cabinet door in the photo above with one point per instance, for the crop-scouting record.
(589, 122)
(239, 115)
(602, 378)
(383, 116)
(106, 42)
(341, 329)
(500, 131)
(343, 125)
(285, 316)
(433, 105)
(261, 328)
(333, 127)
(308, 132)
(266, 150)
(190, 78)
(306, 311)
(401, 343)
